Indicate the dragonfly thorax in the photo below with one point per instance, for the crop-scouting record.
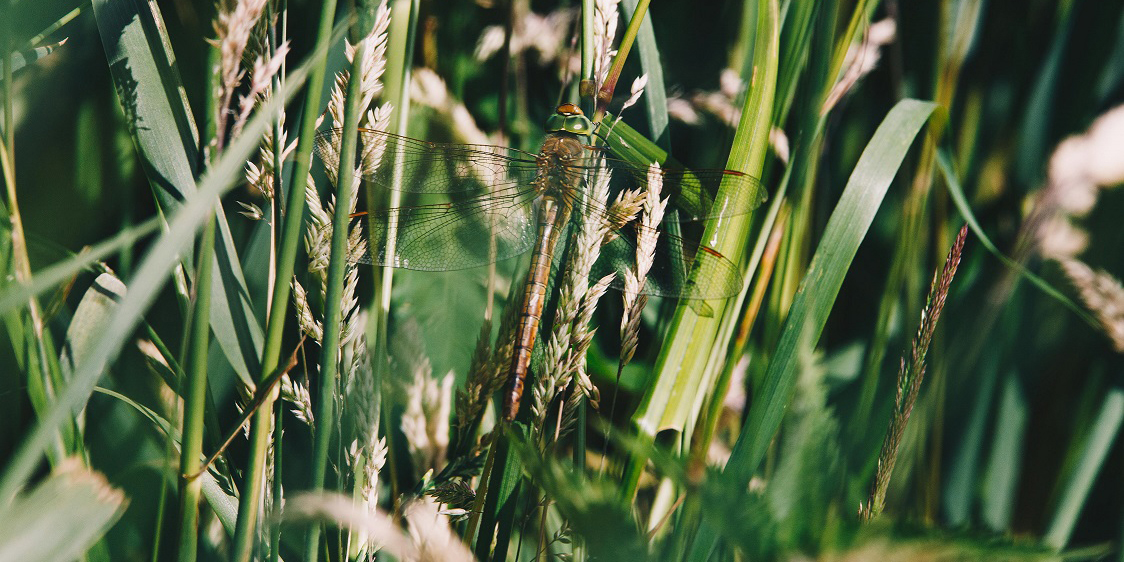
(557, 174)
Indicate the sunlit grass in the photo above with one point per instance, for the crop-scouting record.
(759, 421)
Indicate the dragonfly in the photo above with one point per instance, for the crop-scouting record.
(479, 204)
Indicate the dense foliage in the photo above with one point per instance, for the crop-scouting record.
(892, 329)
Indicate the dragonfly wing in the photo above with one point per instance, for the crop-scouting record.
(450, 236)
(401, 163)
(680, 269)
(695, 194)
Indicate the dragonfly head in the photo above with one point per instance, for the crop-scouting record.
(568, 118)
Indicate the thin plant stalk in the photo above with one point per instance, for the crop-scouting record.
(275, 204)
(402, 37)
(279, 301)
(41, 368)
(195, 399)
(275, 531)
(333, 309)
(586, 85)
(605, 93)
(910, 375)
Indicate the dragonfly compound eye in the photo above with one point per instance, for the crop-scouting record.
(569, 122)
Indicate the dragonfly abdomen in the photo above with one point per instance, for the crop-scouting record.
(552, 218)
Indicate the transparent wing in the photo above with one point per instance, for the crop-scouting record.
(681, 266)
(441, 237)
(695, 194)
(673, 272)
(490, 212)
(400, 163)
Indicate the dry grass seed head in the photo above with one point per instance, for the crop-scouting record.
(1102, 294)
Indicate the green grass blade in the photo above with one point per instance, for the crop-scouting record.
(1036, 136)
(223, 504)
(1093, 458)
(956, 192)
(193, 389)
(655, 93)
(89, 320)
(1000, 485)
(963, 470)
(152, 97)
(326, 406)
(292, 233)
(21, 59)
(683, 362)
(845, 230)
(50, 277)
(796, 40)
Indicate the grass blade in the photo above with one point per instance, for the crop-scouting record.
(655, 93)
(682, 364)
(337, 266)
(293, 231)
(153, 100)
(51, 276)
(193, 389)
(845, 230)
(1099, 442)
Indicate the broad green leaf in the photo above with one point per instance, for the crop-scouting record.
(808, 313)
(152, 97)
(446, 309)
(655, 93)
(845, 230)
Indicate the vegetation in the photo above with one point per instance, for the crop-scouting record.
(891, 330)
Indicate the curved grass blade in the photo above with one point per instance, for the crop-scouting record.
(845, 230)
(813, 302)
(944, 162)
(47, 278)
(89, 319)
